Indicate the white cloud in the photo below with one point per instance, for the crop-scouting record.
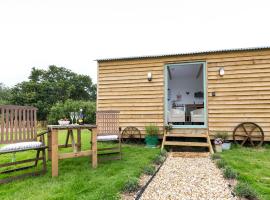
(35, 33)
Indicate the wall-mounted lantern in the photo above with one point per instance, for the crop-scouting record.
(221, 71)
(149, 76)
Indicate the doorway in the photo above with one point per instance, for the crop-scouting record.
(185, 95)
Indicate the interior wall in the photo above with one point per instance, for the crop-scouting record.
(181, 86)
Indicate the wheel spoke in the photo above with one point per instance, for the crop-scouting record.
(243, 126)
(252, 143)
(244, 141)
(252, 130)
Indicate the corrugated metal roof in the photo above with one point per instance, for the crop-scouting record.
(185, 54)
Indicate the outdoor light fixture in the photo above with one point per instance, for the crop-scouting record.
(149, 76)
(221, 71)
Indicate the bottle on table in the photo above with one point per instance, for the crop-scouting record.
(80, 120)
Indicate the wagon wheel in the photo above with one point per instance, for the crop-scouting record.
(131, 133)
(248, 131)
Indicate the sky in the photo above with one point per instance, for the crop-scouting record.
(74, 33)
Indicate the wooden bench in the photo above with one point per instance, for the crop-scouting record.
(18, 133)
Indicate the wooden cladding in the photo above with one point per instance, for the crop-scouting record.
(127, 89)
(242, 94)
(18, 123)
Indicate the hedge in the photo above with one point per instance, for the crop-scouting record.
(62, 110)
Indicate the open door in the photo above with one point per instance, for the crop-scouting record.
(185, 95)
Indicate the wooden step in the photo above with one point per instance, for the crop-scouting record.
(189, 154)
(190, 144)
(192, 135)
(189, 131)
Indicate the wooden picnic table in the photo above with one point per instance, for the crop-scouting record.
(53, 144)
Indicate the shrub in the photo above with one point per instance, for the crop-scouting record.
(163, 152)
(159, 159)
(62, 110)
(229, 173)
(221, 163)
(222, 135)
(215, 156)
(149, 170)
(168, 127)
(151, 129)
(131, 185)
(244, 190)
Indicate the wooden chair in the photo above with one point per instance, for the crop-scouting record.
(176, 115)
(108, 130)
(197, 115)
(18, 133)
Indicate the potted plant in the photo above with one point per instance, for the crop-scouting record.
(218, 144)
(151, 137)
(226, 145)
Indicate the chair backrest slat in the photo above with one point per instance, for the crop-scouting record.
(28, 133)
(35, 123)
(7, 124)
(107, 122)
(31, 123)
(18, 124)
(11, 132)
(24, 124)
(2, 124)
(15, 124)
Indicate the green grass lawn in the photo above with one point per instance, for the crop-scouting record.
(77, 180)
(253, 166)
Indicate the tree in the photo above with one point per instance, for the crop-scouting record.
(62, 110)
(47, 87)
(5, 94)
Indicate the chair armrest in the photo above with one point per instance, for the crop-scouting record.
(41, 135)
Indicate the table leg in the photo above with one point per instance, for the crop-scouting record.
(67, 138)
(94, 147)
(79, 144)
(54, 139)
(73, 144)
(49, 136)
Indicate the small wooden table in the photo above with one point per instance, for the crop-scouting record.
(53, 144)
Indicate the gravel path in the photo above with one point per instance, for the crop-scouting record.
(188, 179)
